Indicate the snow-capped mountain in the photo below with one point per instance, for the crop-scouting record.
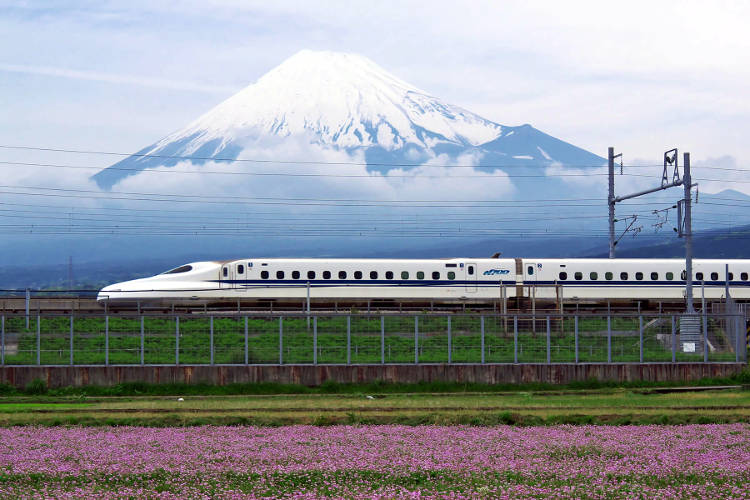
(347, 102)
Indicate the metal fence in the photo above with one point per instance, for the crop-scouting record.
(369, 339)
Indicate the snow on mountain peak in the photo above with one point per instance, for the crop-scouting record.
(343, 99)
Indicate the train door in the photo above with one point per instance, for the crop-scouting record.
(470, 276)
(530, 276)
(227, 275)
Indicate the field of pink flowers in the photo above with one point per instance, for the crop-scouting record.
(697, 461)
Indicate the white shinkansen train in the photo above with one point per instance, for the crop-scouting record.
(446, 280)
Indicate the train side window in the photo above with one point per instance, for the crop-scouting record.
(594, 276)
(714, 276)
(608, 276)
(683, 275)
(743, 276)
(578, 275)
(731, 276)
(624, 276)
(264, 275)
(670, 276)
(373, 275)
(563, 275)
(639, 276)
(357, 275)
(404, 275)
(420, 275)
(451, 275)
(435, 275)
(225, 271)
(389, 275)
(530, 270)
(342, 275)
(699, 276)
(240, 269)
(279, 275)
(654, 276)
(295, 275)
(326, 275)
(311, 275)
(470, 271)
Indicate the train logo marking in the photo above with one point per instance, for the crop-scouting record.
(495, 272)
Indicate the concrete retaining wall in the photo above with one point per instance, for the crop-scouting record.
(311, 375)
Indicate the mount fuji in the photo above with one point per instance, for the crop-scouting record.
(345, 102)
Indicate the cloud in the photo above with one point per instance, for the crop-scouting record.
(115, 78)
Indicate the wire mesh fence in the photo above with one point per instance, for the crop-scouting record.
(370, 339)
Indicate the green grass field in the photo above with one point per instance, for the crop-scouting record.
(123, 338)
(603, 406)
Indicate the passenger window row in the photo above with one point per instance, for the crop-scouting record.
(311, 275)
(639, 276)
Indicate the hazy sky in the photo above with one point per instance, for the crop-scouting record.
(641, 76)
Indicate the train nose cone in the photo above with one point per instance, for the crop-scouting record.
(105, 293)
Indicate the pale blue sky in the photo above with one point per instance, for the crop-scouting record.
(642, 76)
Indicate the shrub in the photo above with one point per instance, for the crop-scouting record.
(36, 387)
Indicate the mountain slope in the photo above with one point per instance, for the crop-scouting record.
(346, 102)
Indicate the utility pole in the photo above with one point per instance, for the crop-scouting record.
(611, 200)
(687, 182)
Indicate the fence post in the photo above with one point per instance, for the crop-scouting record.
(315, 340)
(2, 340)
(640, 335)
(515, 339)
(348, 340)
(38, 341)
(211, 338)
(705, 337)
(247, 353)
(382, 340)
(481, 338)
(71, 340)
(106, 340)
(177, 340)
(416, 340)
(143, 343)
(28, 300)
(575, 321)
(609, 338)
(549, 342)
(281, 340)
(450, 346)
(674, 341)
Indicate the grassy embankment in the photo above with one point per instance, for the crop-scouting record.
(140, 404)
(263, 340)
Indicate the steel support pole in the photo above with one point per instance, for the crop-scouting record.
(549, 342)
(348, 340)
(247, 347)
(315, 340)
(38, 341)
(71, 340)
(106, 340)
(687, 183)
(281, 340)
(705, 337)
(177, 340)
(382, 340)
(640, 336)
(481, 322)
(416, 340)
(515, 339)
(450, 346)
(575, 321)
(211, 338)
(609, 339)
(674, 341)
(2, 340)
(611, 200)
(143, 343)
